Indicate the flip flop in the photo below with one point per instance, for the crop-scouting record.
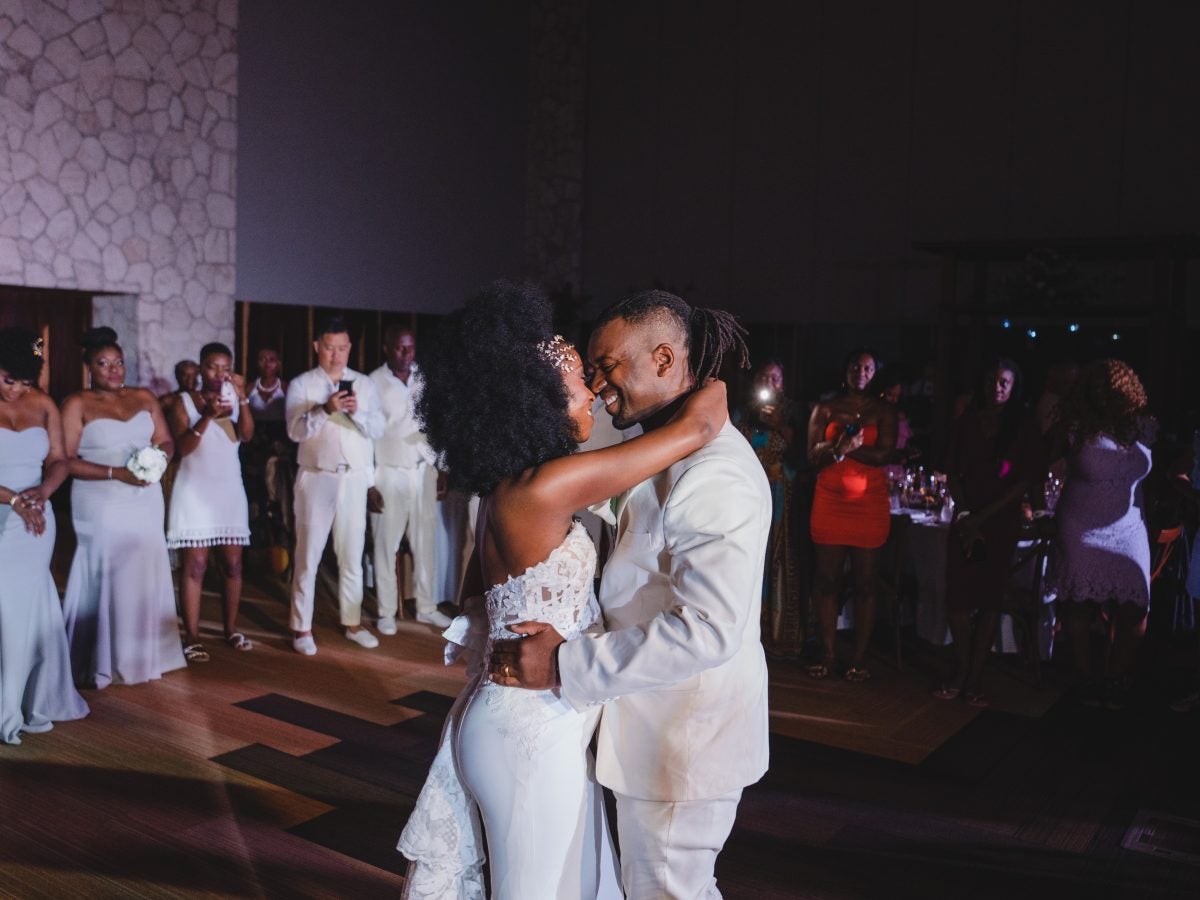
(858, 674)
(817, 670)
(195, 652)
(945, 692)
(239, 641)
(977, 701)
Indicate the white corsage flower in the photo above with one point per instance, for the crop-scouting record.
(148, 464)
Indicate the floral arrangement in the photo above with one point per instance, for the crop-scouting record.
(148, 464)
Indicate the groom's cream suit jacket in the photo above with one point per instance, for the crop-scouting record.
(680, 668)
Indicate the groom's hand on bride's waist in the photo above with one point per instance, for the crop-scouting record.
(530, 662)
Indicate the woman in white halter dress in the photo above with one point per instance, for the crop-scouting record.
(504, 404)
(35, 665)
(119, 604)
(208, 502)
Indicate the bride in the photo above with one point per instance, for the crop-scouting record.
(505, 403)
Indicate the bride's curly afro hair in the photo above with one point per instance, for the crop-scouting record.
(491, 405)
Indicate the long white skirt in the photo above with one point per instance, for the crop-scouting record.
(524, 757)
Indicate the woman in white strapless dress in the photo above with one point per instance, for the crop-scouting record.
(120, 603)
(208, 505)
(35, 664)
(505, 404)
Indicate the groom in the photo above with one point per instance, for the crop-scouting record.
(680, 669)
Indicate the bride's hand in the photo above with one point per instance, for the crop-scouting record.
(708, 407)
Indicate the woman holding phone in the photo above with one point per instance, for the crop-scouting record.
(208, 505)
(850, 439)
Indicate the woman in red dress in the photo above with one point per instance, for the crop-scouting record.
(850, 439)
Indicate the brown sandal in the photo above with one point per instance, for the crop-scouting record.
(195, 652)
(858, 674)
(817, 670)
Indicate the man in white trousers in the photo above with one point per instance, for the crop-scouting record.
(680, 669)
(333, 413)
(404, 498)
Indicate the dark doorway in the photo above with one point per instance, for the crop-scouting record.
(60, 317)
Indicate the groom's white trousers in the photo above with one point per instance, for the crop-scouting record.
(669, 849)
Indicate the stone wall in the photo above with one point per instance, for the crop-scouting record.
(118, 141)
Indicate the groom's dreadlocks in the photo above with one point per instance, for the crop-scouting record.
(710, 333)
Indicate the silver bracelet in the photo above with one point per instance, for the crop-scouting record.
(110, 473)
(14, 500)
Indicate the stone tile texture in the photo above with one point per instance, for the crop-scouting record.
(118, 158)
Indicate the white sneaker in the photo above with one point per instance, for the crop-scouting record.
(434, 618)
(386, 625)
(305, 645)
(363, 638)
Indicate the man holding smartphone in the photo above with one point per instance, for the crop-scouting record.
(334, 414)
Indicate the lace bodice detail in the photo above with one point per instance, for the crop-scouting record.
(558, 590)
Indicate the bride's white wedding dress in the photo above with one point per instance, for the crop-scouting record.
(519, 757)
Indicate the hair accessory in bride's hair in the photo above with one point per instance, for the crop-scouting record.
(556, 351)
(38, 344)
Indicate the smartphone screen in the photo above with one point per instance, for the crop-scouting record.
(345, 385)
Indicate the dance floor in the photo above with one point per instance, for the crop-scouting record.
(266, 774)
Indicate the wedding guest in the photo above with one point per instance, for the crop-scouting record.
(35, 662)
(404, 498)
(266, 450)
(333, 413)
(120, 604)
(268, 394)
(208, 507)
(1103, 565)
(770, 421)
(186, 372)
(850, 438)
(995, 456)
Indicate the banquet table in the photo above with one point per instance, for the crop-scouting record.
(928, 542)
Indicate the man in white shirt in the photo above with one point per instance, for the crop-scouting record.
(333, 413)
(404, 498)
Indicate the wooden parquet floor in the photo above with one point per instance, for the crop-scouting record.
(267, 774)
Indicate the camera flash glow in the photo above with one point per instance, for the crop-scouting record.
(1073, 327)
(764, 394)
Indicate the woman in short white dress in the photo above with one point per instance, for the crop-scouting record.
(120, 603)
(35, 664)
(208, 503)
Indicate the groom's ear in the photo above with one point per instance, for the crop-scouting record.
(665, 358)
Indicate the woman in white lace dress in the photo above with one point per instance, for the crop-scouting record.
(1103, 564)
(506, 404)
(208, 502)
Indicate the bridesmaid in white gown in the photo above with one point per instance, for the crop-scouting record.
(35, 665)
(120, 602)
(506, 404)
